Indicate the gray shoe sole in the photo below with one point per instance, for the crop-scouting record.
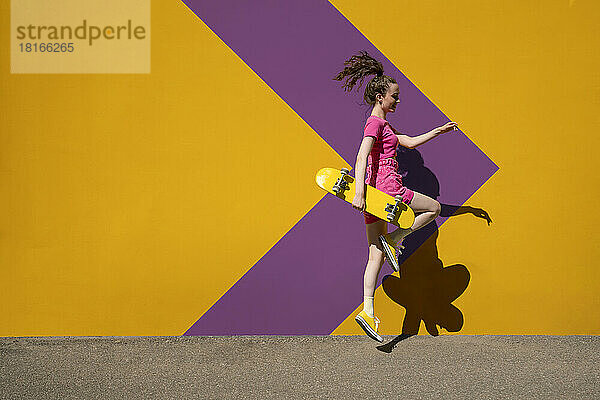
(389, 255)
(367, 328)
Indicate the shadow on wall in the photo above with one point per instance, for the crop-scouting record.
(425, 288)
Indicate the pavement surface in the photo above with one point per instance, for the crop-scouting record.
(301, 367)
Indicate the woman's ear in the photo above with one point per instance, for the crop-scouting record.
(378, 97)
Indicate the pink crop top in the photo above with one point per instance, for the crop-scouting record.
(386, 141)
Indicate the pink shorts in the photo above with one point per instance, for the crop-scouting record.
(385, 177)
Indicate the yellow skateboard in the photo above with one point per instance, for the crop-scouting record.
(378, 203)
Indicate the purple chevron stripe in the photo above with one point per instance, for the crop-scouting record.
(311, 279)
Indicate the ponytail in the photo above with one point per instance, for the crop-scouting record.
(357, 68)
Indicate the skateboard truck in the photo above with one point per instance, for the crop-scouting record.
(392, 209)
(341, 185)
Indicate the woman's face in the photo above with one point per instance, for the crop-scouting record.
(391, 98)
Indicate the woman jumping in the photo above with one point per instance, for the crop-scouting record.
(376, 165)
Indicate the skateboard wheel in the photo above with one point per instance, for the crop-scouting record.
(345, 171)
(390, 217)
(398, 198)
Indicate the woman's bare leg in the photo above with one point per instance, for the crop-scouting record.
(375, 260)
(426, 208)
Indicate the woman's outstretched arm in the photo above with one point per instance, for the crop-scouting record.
(412, 142)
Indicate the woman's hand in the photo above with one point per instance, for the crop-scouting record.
(450, 126)
(359, 202)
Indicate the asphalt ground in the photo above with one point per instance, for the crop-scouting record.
(301, 367)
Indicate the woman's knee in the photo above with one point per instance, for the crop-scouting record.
(375, 254)
(436, 208)
(422, 203)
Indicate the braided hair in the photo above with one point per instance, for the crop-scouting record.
(358, 67)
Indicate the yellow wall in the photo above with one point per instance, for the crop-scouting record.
(521, 78)
(109, 183)
(106, 179)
